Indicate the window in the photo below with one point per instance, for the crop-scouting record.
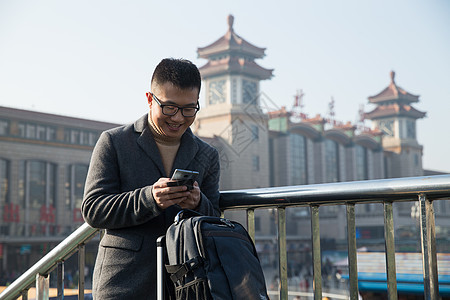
(41, 132)
(4, 127)
(37, 132)
(361, 163)
(255, 132)
(80, 137)
(31, 131)
(41, 183)
(4, 182)
(410, 129)
(298, 169)
(331, 161)
(255, 163)
(21, 130)
(76, 177)
(51, 134)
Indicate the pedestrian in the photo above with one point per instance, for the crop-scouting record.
(126, 189)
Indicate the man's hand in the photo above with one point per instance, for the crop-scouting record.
(166, 196)
(193, 199)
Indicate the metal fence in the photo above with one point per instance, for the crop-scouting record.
(385, 191)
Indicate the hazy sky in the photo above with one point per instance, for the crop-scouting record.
(94, 59)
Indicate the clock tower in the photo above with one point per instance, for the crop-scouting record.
(231, 109)
(396, 118)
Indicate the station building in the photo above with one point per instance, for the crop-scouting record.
(44, 159)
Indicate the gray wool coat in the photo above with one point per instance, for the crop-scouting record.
(118, 197)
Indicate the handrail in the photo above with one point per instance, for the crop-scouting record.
(64, 249)
(424, 189)
(368, 191)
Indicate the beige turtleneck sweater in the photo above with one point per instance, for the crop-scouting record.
(168, 147)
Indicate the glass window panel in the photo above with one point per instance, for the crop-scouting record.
(4, 127)
(331, 161)
(37, 179)
(255, 163)
(41, 132)
(51, 134)
(22, 130)
(298, 159)
(31, 131)
(4, 182)
(79, 180)
(51, 184)
(361, 163)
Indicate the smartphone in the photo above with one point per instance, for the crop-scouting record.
(183, 177)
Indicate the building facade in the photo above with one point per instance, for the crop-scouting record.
(301, 150)
(43, 165)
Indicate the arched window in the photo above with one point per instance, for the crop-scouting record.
(361, 162)
(297, 159)
(331, 161)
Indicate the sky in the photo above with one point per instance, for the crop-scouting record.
(93, 59)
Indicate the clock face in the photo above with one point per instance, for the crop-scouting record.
(249, 91)
(387, 127)
(217, 91)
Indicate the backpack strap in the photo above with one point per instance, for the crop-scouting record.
(186, 213)
(177, 272)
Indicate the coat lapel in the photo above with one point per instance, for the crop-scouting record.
(186, 153)
(147, 142)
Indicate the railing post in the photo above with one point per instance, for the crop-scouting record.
(390, 250)
(352, 255)
(429, 257)
(81, 265)
(282, 251)
(160, 245)
(24, 294)
(42, 286)
(60, 279)
(317, 264)
(251, 223)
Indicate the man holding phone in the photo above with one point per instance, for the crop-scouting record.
(128, 189)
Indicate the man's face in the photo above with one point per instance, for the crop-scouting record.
(172, 126)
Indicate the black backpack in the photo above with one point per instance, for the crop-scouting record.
(213, 258)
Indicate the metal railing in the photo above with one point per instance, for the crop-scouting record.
(385, 191)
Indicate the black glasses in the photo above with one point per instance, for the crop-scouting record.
(171, 110)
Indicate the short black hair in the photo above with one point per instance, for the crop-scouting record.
(182, 73)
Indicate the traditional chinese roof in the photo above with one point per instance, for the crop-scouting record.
(394, 109)
(235, 65)
(231, 54)
(393, 93)
(231, 42)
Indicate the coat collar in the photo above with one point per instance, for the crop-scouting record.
(186, 152)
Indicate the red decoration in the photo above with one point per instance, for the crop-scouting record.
(11, 213)
(47, 214)
(77, 217)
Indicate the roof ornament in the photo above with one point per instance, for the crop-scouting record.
(392, 77)
(230, 20)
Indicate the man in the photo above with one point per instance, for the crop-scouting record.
(126, 189)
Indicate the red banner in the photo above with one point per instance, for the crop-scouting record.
(11, 213)
(47, 214)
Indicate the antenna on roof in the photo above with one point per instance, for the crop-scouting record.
(297, 108)
(331, 111)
